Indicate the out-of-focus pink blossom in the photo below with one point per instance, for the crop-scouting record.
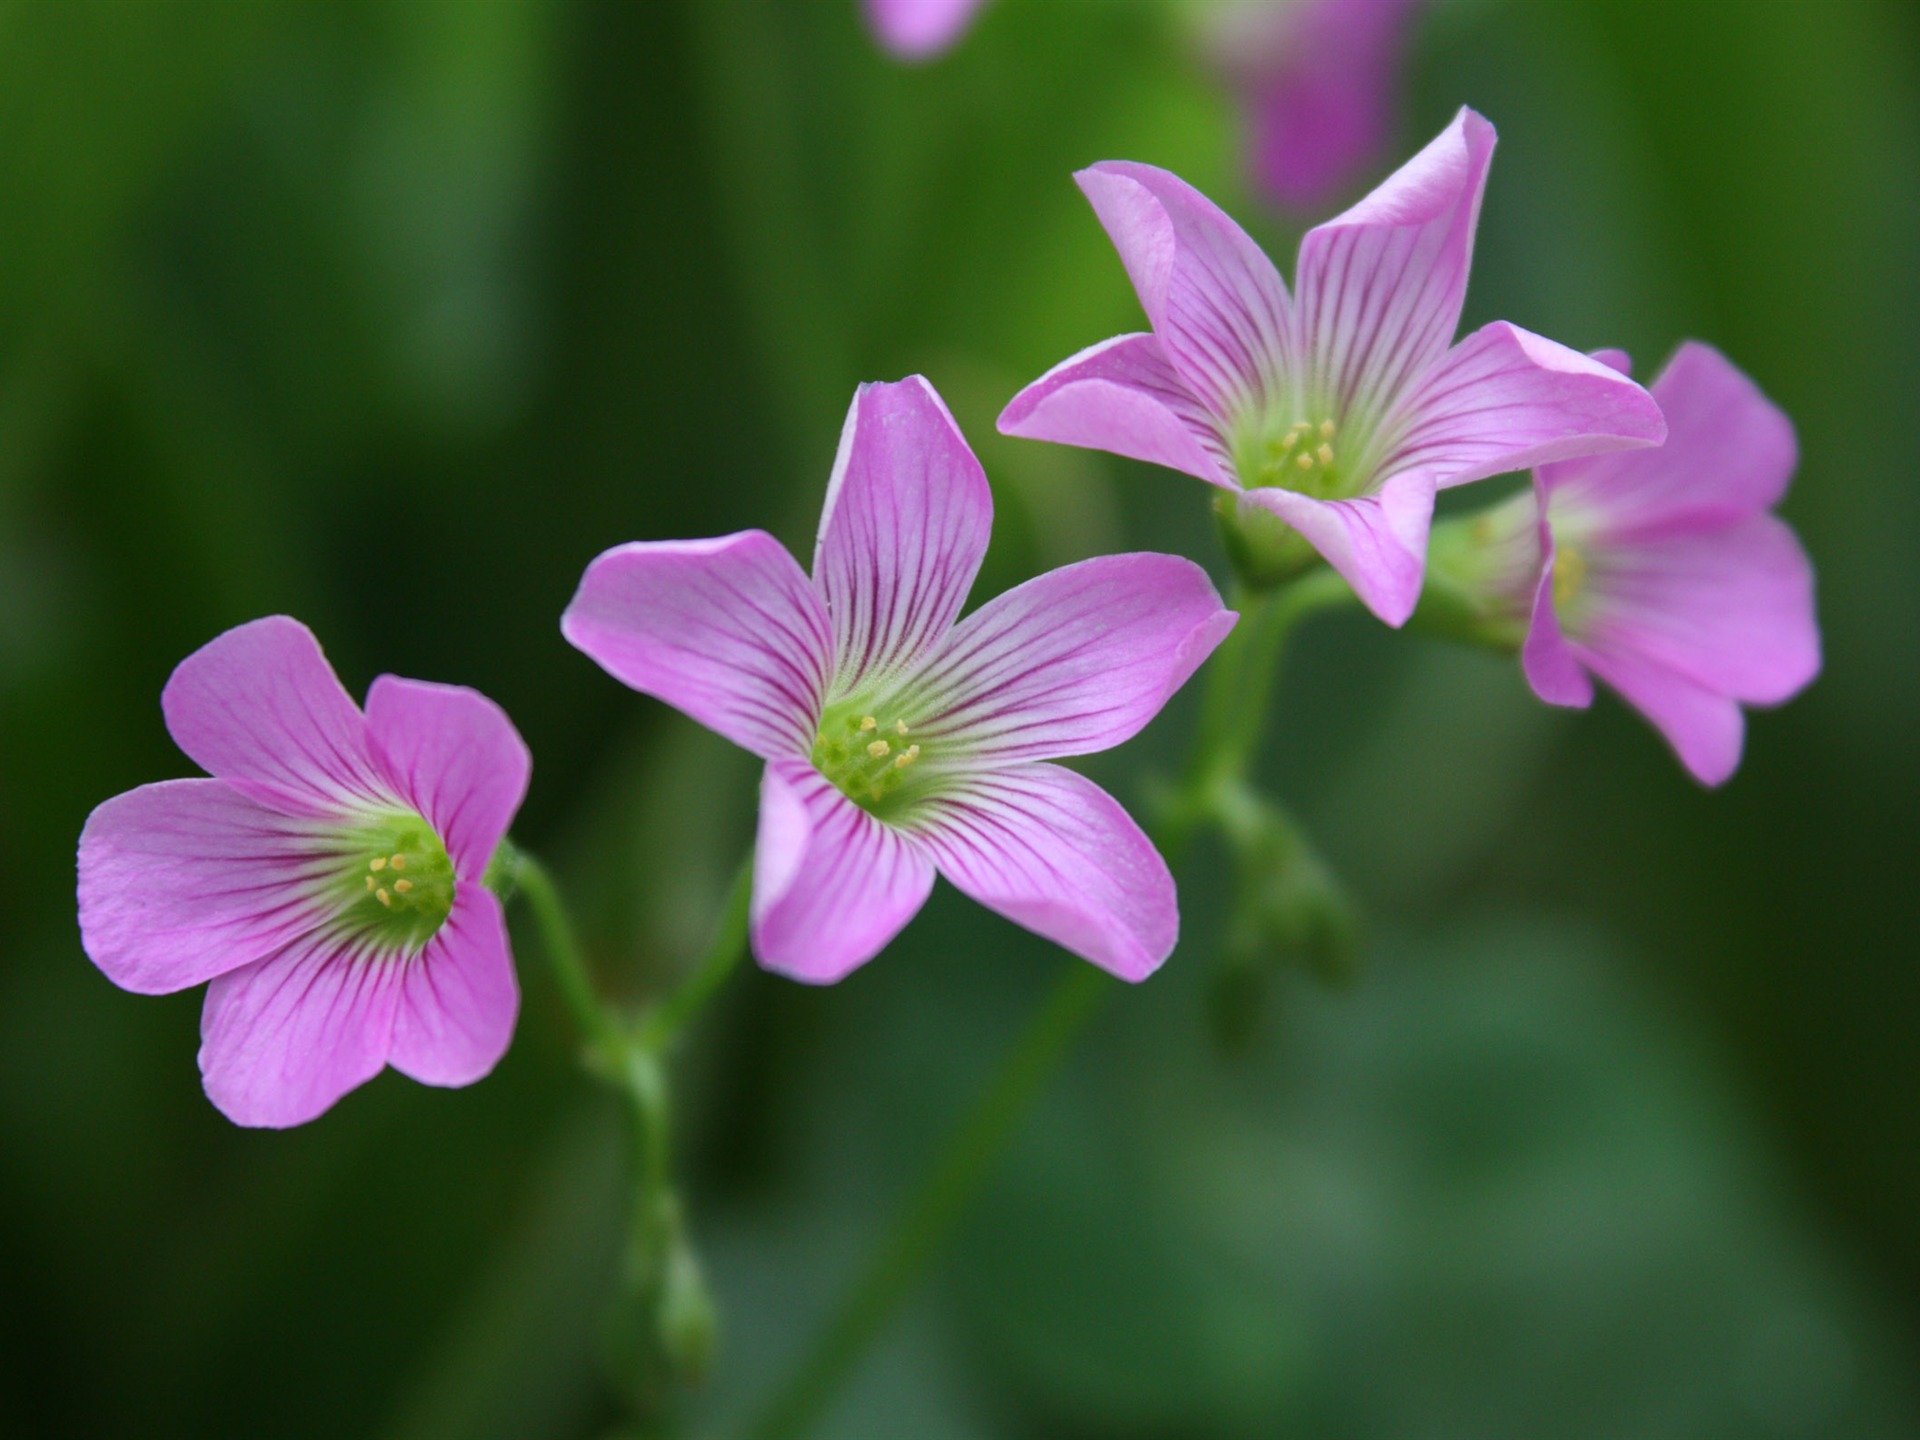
(920, 29)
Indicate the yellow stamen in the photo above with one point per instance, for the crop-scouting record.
(912, 754)
(1305, 462)
(379, 862)
(899, 727)
(867, 722)
(1325, 452)
(878, 748)
(1326, 429)
(383, 897)
(403, 886)
(399, 862)
(1569, 575)
(369, 882)
(1288, 441)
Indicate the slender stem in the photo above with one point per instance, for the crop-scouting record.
(936, 1204)
(597, 1025)
(709, 973)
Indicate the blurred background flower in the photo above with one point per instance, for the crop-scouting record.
(331, 309)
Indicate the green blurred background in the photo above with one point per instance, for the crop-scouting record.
(392, 313)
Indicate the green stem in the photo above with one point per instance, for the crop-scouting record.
(709, 973)
(603, 1033)
(936, 1205)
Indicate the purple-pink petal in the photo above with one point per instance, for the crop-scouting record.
(1704, 726)
(920, 29)
(1729, 453)
(454, 756)
(1380, 287)
(1731, 609)
(283, 1038)
(1507, 399)
(831, 884)
(1320, 91)
(186, 879)
(1377, 542)
(1124, 396)
(260, 707)
(729, 631)
(903, 531)
(1073, 661)
(1213, 297)
(458, 997)
(1052, 851)
(1551, 666)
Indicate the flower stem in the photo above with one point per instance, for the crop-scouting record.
(665, 1022)
(603, 1033)
(922, 1227)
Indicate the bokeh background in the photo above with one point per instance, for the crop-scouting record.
(392, 313)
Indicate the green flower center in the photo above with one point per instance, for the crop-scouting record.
(398, 885)
(870, 756)
(1302, 457)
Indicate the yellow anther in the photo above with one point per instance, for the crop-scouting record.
(379, 862)
(399, 862)
(369, 882)
(383, 897)
(1325, 452)
(1305, 461)
(1569, 575)
(403, 886)
(1326, 429)
(867, 722)
(912, 754)
(878, 748)
(1288, 441)
(900, 728)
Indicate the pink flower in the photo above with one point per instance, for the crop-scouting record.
(1662, 573)
(327, 880)
(1317, 81)
(1339, 412)
(898, 742)
(920, 29)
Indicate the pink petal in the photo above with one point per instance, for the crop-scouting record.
(1549, 661)
(920, 29)
(454, 756)
(1506, 399)
(183, 880)
(1123, 396)
(458, 996)
(1705, 727)
(1320, 93)
(831, 884)
(1052, 851)
(1729, 453)
(1380, 287)
(903, 531)
(259, 706)
(1377, 542)
(283, 1038)
(1730, 609)
(1213, 297)
(1073, 661)
(730, 631)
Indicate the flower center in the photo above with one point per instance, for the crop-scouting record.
(398, 886)
(1302, 458)
(869, 757)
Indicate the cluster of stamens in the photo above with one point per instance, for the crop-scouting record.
(864, 758)
(401, 885)
(1304, 448)
(1569, 575)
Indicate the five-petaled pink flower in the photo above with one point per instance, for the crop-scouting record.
(920, 29)
(1341, 410)
(898, 742)
(1662, 573)
(1318, 80)
(327, 880)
